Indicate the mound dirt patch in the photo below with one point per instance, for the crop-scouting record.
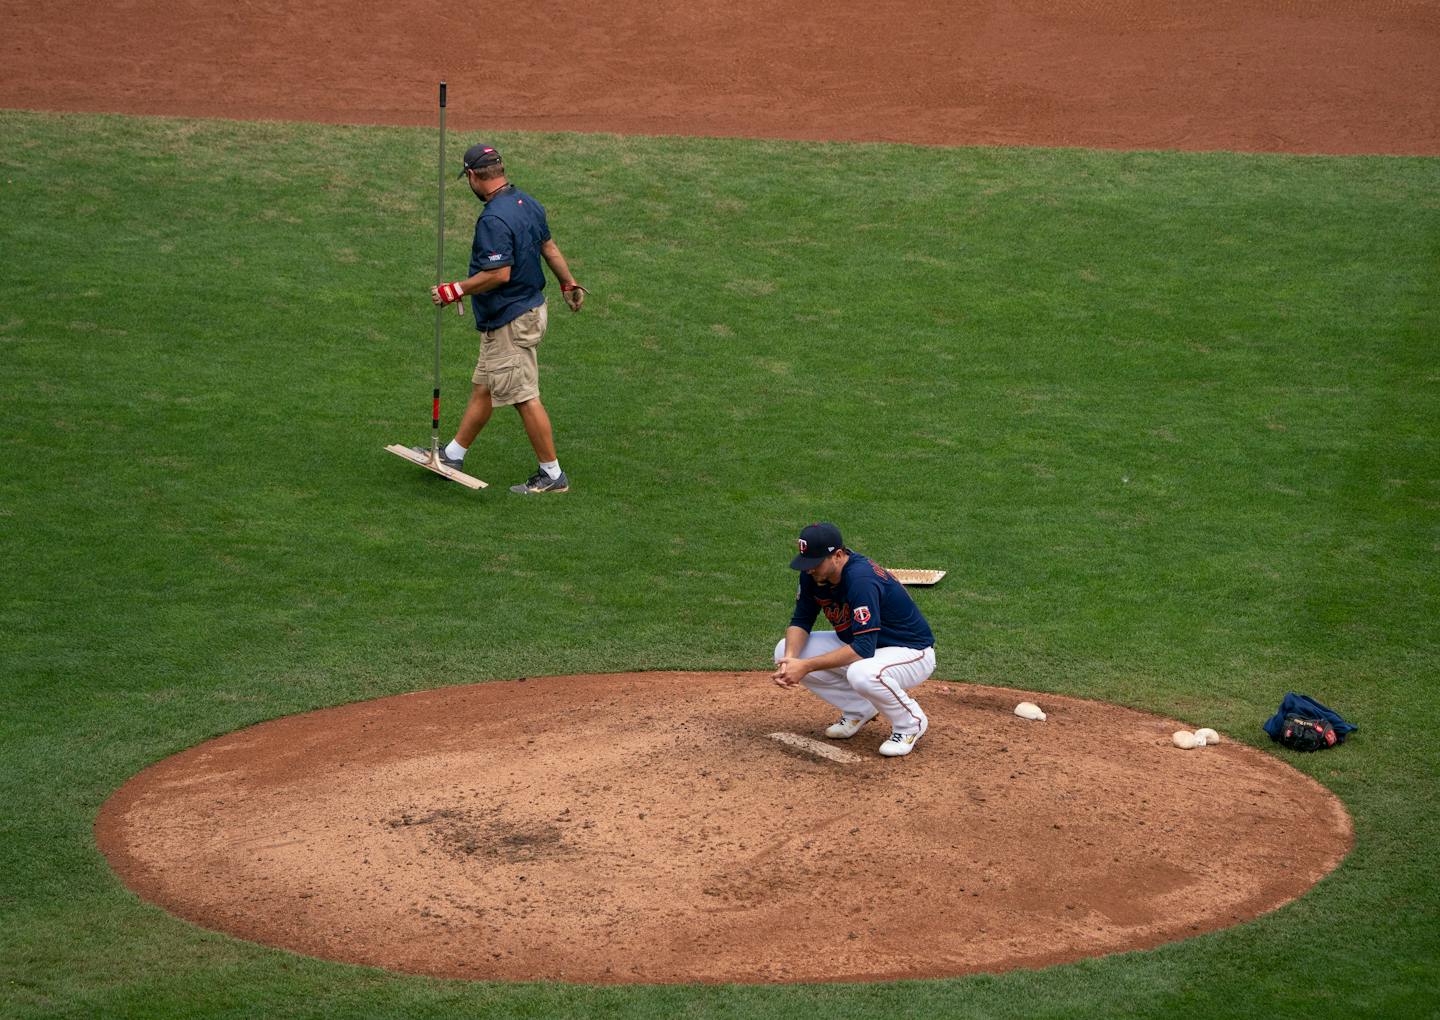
(648, 828)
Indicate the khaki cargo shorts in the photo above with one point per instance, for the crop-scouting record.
(507, 366)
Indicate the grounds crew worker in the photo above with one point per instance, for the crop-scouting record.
(880, 647)
(506, 290)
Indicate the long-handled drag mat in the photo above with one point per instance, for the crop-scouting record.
(431, 459)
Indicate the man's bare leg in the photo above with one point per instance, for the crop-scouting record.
(477, 413)
(537, 427)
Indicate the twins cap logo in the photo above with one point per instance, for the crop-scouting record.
(801, 543)
(861, 614)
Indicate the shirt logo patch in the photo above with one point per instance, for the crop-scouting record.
(861, 614)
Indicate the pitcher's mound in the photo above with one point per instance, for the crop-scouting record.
(650, 828)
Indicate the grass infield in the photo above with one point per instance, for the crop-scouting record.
(1168, 420)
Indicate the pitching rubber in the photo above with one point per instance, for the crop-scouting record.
(816, 748)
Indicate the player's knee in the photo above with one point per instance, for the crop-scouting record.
(861, 675)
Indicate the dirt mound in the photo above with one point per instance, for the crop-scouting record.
(648, 828)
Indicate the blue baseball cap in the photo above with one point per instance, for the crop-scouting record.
(817, 543)
(479, 156)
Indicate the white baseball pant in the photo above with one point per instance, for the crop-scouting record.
(878, 684)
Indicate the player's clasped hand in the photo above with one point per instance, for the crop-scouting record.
(788, 672)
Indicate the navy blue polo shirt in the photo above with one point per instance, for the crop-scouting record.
(868, 608)
(509, 232)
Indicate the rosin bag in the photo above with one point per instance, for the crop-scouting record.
(1303, 724)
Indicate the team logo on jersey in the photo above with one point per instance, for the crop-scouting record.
(861, 614)
(494, 256)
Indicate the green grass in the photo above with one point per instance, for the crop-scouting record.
(1168, 420)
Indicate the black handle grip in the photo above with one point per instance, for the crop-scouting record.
(442, 95)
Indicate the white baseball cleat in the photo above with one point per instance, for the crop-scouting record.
(847, 726)
(903, 743)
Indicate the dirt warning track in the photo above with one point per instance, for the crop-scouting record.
(1323, 76)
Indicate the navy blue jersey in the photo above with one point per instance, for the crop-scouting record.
(868, 608)
(509, 232)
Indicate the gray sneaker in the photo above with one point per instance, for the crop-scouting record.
(454, 465)
(541, 482)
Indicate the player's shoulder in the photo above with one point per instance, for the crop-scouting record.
(861, 569)
(870, 573)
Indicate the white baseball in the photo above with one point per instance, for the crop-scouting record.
(1211, 737)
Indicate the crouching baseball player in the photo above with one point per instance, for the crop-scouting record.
(881, 646)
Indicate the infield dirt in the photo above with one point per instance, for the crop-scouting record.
(646, 828)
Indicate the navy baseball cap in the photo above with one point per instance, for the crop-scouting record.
(479, 156)
(817, 543)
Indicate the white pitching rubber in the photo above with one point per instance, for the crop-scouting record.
(815, 747)
(1029, 710)
(1211, 737)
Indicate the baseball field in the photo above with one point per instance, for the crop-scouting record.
(1167, 419)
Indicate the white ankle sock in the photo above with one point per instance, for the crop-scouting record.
(551, 468)
(455, 451)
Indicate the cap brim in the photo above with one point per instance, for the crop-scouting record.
(803, 562)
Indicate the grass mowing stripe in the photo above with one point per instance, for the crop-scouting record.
(1167, 419)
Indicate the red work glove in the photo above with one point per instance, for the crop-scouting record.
(574, 295)
(447, 293)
